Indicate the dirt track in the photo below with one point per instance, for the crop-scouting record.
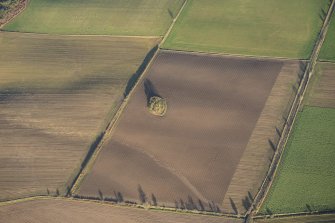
(193, 151)
(69, 211)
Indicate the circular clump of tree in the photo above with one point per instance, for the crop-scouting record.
(157, 106)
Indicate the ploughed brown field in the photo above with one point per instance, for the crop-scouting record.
(56, 95)
(187, 158)
(72, 211)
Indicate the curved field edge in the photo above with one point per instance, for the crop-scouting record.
(199, 28)
(109, 17)
(305, 175)
(54, 103)
(71, 210)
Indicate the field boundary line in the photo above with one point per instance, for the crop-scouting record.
(83, 35)
(273, 170)
(295, 214)
(124, 205)
(19, 11)
(173, 22)
(327, 61)
(216, 54)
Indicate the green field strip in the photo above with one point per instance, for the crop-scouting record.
(259, 28)
(111, 17)
(306, 176)
(327, 52)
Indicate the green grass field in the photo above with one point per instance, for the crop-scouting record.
(328, 49)
(57, 94)
(324, 218)
(306, 176)
(283, 28)
(112, 17)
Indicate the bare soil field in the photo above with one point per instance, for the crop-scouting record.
(322, 90)
(57, 93)
(264, 140)
(188, 157)
(74, 211)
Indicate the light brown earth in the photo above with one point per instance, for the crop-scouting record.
(322, 92)
(71, 211)
(56, 96)
(258, 154)
(191, 153)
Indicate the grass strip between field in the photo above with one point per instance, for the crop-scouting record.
(260, 28)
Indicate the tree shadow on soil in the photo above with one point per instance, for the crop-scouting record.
(190, 204)
(233, 206)
(279, 132)
(154, 200)
(246, 203)
(133, 79)
(90, 152)
(272, 145)
(171, 14)
(150, 89)
(101, 196)
(118, 197)
(141, 195)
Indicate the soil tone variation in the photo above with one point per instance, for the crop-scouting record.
(188, 157)
(56, 95)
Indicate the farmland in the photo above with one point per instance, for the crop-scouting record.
(140, 157)
(61, 210)
(306, 180)
(114, 17)
(325, 218)
(263, 141)
(265, 28)
(57, 94)
(166, 111)
(328, 48)
(322, 90)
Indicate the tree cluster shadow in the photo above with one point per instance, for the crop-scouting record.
(190, 204)
(133, 79)
(143, 198)
(246, 203)
(90, 152)
(150, 89)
